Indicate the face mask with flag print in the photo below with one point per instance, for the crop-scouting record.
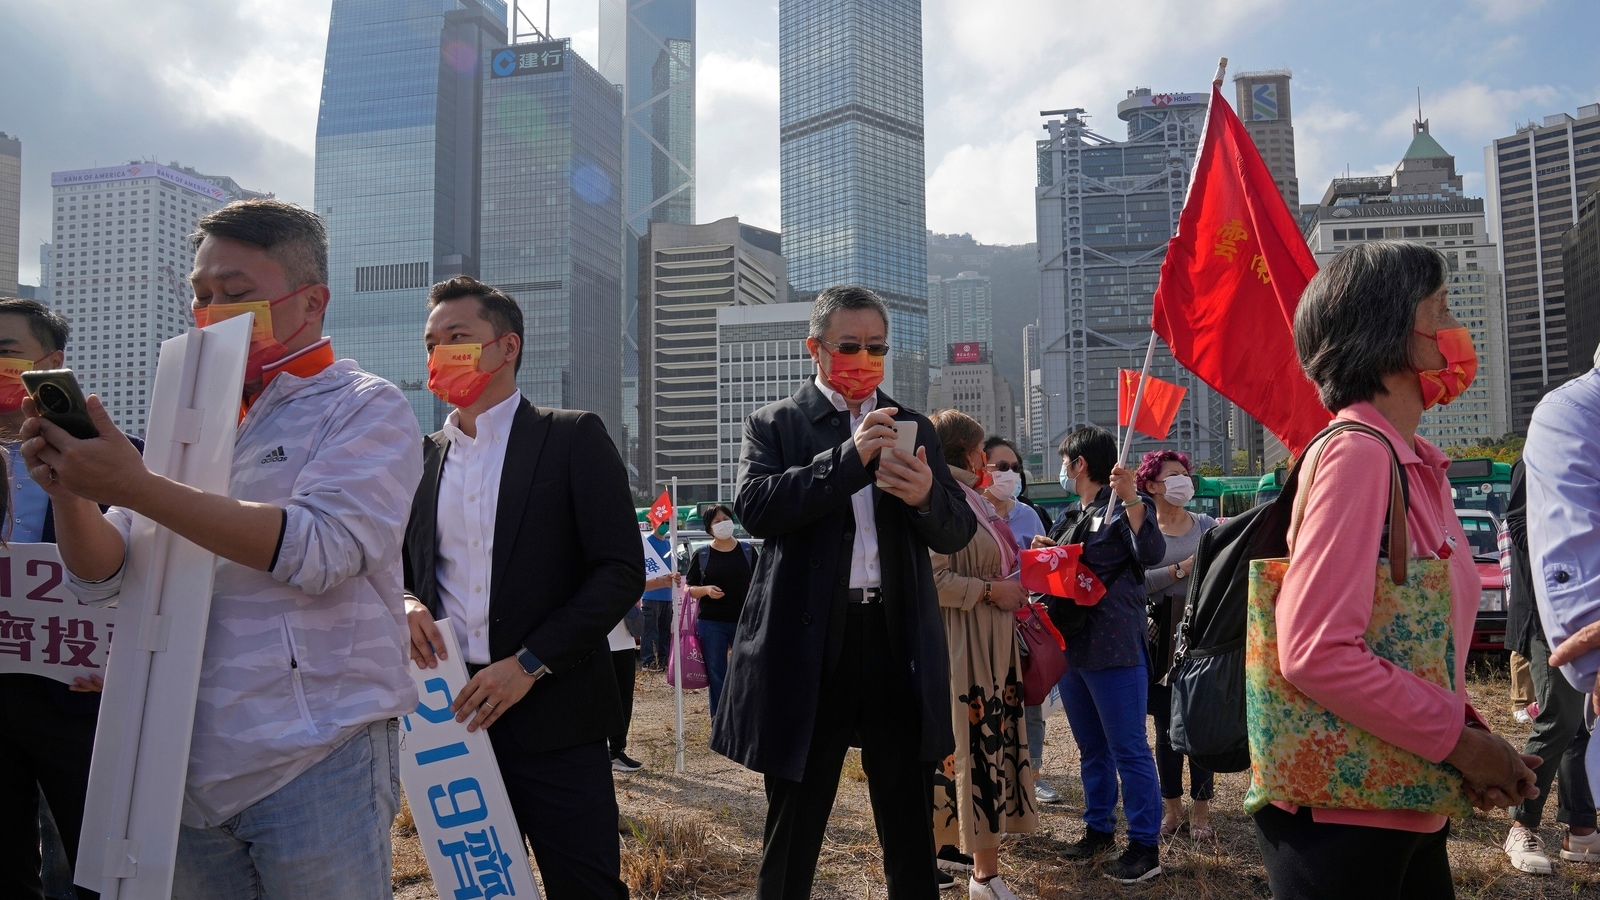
(855, 375)
(11, 388)
(1441, 386)
(265, 348)
(453, 374)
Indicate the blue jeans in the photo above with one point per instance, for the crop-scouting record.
(324, 834)
(1034, 717)
(716, 640)
(656, 642)
(1106, 709)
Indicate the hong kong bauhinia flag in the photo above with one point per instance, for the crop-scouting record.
(1231, 281)
(661, 510)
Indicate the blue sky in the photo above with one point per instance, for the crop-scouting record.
(234, 89)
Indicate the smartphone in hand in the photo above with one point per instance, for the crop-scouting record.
(905, 440)
(59, 398)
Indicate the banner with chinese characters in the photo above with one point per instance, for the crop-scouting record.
(457, 797)
(44, 629)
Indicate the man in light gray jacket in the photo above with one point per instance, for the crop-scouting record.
(291, 783)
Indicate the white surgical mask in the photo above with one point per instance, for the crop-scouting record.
(1007, 485)
(1180, 489)
(722, 530)
(1065, 479)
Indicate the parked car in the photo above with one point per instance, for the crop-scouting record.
(1483, 529)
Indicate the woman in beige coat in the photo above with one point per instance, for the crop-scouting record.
(985, 790)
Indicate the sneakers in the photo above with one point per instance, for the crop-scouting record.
(952, 860)
(1526, 850)
(1044, 793)
(1581, 848)
(622, 762)
(1137, 863)
(1092, 844)
(993, 889)
(945, 880)
(1522, 717)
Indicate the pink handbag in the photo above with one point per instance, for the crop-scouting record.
(687, 648)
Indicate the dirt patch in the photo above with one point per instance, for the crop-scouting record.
(699, 834)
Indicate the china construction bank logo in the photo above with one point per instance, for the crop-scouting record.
(505, 62)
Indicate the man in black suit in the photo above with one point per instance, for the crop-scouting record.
(523, 534)
(840, 642)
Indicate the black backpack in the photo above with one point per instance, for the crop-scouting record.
(1207, 677)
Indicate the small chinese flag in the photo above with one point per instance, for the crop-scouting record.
(1060, 572)
(1158, 408)
(1232, 280)
(661, 510)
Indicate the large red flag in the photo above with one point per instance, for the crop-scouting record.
(1158, 408)
(1231, 281)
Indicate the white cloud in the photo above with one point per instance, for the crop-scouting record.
(986, 190)
(1505, 11)
(736, 138)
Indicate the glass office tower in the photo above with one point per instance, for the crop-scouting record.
(397, 172)
(551, 223)
(851, 152)
(647, 47)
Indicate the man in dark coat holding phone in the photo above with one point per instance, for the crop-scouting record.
(840, 642)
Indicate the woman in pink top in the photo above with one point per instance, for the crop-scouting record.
(1372, 331)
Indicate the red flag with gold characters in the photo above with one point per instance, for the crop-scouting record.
(1231, 282)
(660, 511)
(1060, 572)
(1158, 408)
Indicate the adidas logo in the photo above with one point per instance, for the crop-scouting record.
(275, 455)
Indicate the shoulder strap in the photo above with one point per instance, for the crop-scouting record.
(749, 555)
(703, 557)
(1395, 518)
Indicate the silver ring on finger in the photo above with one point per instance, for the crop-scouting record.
(489, 706)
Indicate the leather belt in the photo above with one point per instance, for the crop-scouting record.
(864, 595)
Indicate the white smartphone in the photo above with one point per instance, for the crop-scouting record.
(905, 440)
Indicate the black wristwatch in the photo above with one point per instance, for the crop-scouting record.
(530, 664)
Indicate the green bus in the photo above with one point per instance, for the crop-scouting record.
(1217, 496)
(1478, 483)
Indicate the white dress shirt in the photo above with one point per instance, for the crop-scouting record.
(469, 496)
(865, 571)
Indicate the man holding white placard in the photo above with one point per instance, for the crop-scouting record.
(523, 534)
(291, 790)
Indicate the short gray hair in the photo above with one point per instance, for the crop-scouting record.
(844, 296)
(1355, 319)
(293, 236)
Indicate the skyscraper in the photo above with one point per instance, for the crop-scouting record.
(10, 211)
(120, 271)
(693, 271)
(1580, 262)
(397, 172)
(1423, 201)
(959, 309)
(1563, 155)
(851, 153)
(761, 358)
(552, 221)
(1264, 108)
(647, 47)
(1105, 211)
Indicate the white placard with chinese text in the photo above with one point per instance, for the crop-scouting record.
(458, 799)
(44, 629)
(654, 565)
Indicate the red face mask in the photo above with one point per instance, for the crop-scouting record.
(11, 389)
(1460, 367)
(855, 375)
(265, 348)
(453, 374)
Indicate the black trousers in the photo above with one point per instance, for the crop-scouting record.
(1325, 861)
(1169, 762)
(42, 747)
(625, 663)
(1561, 739)
(567, 809)
(863, 702)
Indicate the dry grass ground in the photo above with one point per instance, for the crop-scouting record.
(699, 834)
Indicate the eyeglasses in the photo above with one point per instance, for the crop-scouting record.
(852, 349)
(1004, 466)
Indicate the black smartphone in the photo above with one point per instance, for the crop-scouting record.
(56, 393)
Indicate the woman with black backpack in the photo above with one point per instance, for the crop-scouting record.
(1106, 686)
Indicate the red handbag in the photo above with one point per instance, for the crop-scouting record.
(1044, 653)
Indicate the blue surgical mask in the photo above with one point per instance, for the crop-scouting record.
(1066, 480)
